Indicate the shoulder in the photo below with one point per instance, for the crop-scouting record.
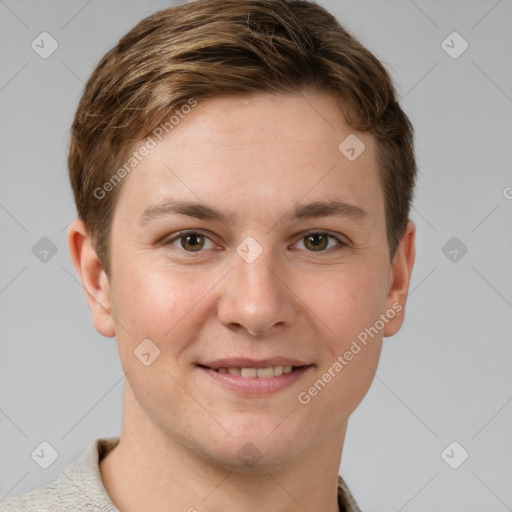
(42, 498)
(78, 488)
(346, 501)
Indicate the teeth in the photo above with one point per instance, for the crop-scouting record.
(262, 373)
(249, 372)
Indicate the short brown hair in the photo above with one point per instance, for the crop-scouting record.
(212, 48)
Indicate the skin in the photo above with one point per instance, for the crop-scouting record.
(256, 156)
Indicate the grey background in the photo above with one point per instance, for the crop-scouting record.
(444, 377)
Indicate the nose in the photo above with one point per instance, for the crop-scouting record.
(257, 297)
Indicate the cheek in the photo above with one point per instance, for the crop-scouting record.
(347, 300)
(350, 305)
(341, 382)
(156, 304)
(156, 298)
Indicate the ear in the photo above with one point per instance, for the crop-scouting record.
(93, 278)
(400, 277)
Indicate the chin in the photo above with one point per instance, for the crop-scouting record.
(254, 448)
(251, 458)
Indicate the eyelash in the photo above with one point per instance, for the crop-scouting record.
(182, 234)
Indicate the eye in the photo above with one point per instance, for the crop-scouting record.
(318, 241)
(190, 241)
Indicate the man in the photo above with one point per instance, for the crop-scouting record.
(243, 176)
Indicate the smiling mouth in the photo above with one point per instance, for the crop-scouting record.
(256, 373)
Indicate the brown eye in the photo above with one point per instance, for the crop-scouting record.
(193, 242)
(319, 242)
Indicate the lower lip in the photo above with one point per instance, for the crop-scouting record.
(257, 385)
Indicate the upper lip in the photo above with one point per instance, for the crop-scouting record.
(243, 362)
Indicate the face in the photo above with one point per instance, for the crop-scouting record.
(251, 278)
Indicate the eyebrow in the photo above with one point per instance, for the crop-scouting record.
(202, 211)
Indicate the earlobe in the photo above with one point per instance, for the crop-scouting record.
(401, 271)
(93, 278)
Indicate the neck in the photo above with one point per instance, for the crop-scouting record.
(150, 471)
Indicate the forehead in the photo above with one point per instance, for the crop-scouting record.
(258, 153)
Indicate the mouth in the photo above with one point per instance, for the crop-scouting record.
(252, 378)
(255, 373)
